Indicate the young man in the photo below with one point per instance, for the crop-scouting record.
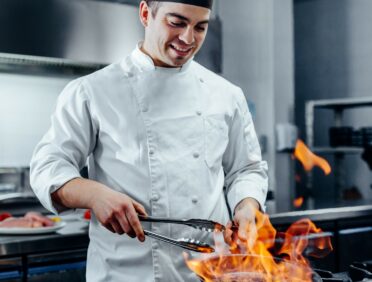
(164, 136)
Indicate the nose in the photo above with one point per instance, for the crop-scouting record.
(187, 36)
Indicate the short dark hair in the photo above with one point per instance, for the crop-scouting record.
(154, 6)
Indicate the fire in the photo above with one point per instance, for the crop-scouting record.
(298, 202)
(269, 256)
(273, 256)
(308, 159)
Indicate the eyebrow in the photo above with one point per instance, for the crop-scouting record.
(184, 18)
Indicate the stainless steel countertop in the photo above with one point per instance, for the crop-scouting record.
(326, 214)
(73, 236)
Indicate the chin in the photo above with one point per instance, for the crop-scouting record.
(179, 62)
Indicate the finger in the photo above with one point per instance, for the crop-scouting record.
(109, 227)
(228, 236)
(139, 208)
(252, 235)
(135, 223)
(229, 224)
(243, 231)
(130, 231)
(123, 221)
(116, 226)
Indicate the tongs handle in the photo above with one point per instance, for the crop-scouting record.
(202, 224)
(161, 219)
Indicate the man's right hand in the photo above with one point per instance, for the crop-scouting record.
(118, 213)
(114, 210)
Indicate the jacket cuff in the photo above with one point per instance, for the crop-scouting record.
(57, 182)
(240, 192)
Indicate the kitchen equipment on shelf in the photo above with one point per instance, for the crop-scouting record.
(340, 136)
(186, 243)
(347, 136)
(367, 136)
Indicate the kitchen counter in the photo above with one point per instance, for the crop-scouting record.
(36, 257)
(325, 214)
(73, 236)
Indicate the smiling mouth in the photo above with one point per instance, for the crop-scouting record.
(181, 51)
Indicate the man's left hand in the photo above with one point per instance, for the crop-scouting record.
(244, 219)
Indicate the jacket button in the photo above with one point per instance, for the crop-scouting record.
(199, 113)
(201, 80)
(155, 197)
(151, 152)
(196, 155)
(145, 109)
(194, 199)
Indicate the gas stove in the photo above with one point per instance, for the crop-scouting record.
(357, 272)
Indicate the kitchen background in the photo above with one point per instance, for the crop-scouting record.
(282, 53)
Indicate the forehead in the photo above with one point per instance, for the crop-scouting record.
(191, 12)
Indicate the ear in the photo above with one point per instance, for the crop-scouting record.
(144, 13)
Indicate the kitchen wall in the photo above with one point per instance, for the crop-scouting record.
(258, 56)
(26, 103)
(333, 51)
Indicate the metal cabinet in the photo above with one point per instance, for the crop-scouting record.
(52, 267)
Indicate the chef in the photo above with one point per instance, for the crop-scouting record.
(163, 136)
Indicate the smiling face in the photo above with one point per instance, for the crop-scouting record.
(175, 33)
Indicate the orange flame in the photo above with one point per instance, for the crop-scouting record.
(259, 261)
(308, 159)
(298, 202)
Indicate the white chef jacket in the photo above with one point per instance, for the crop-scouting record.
(170, 138)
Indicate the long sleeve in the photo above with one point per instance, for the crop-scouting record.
(64, 149)
(246, 173)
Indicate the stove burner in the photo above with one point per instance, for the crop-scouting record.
(359, 271)
(323, 275)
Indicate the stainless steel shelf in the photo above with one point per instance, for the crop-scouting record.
(330, 150)
(11, 170)
(342, 103)
(337, 106)
(15, 63)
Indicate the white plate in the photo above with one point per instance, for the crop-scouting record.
(27, 231)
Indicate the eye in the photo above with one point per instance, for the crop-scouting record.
(200, 28)
(177, 24)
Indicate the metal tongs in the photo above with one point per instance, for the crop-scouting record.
(186, 243)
